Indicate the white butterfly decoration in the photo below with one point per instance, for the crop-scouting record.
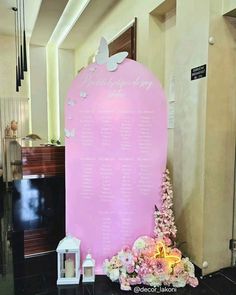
(92, 69)
(103, 56)
(69, 133)
(83, 94)
(71, 102)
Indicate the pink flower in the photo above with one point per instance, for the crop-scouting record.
(145, 268)
(130, 268)
(167, 241)
(124, 283)
(193, 282)
(127, 248)
(135, 257)
(176, 252)
(178, 269)
(159, 240)
(162, 266)
(144, 245)
(135, 280)
(126, 258)
(179, 281)
(125, 287)
(164, 216)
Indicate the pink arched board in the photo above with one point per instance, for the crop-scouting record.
(116, 149)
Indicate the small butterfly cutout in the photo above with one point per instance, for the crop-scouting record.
(161, 253)
(92, 69)
(103, 56)
(83, 94)
(71, 102)
(69, 133)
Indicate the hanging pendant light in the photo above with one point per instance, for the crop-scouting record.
(18, 44)
(20, 41)
(16, 48)
(24, 39)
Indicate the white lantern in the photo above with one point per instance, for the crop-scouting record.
(88, 269)
(68, 261)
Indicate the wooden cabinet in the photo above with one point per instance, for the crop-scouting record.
(38, 200)
(43, 161)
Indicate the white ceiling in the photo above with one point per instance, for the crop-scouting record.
(48, 17)
(7, 25)
(88, 21)
(42, 17)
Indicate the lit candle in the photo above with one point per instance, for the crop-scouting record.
(69, 268)
(88, 271)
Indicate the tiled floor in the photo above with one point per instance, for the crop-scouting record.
(37, 276)
(44, 284)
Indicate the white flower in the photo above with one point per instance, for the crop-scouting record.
(114, 275)
(188, 266)
(106, 266)
(180, 282)
(139, 244)
(152, 280)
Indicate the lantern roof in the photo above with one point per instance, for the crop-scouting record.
(89, 261)
(68, 243)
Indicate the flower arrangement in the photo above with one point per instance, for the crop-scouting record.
(164, 217)
(151, 262)
(154, 261)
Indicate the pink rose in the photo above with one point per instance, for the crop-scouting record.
(176, 252)
(127, 248)
(167, 241)
(135, 281)
(162, 266)
(193, 282)
(125, 287)
(179, 269)
(130, 269)
(124, 283)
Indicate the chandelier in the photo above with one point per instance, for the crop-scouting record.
(20, 42)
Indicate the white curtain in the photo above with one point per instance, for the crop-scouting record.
(12, 108)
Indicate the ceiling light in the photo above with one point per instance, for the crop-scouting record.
(70, 15)
(20, 42)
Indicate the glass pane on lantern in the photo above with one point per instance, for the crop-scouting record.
(69, 265)
(62, 266)
(88, 271)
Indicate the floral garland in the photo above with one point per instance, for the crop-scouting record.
(164, 218)
(154, 261)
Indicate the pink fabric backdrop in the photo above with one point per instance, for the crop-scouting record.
(116, 153)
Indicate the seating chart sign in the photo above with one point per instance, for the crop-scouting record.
(116, 150)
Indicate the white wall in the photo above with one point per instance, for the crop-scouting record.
(38, 79)
(192, 24)
(169, 77)
(8, 70)
(220, 138)
(8, 78)
(40, 85)
(112, 23)
(66, 75)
